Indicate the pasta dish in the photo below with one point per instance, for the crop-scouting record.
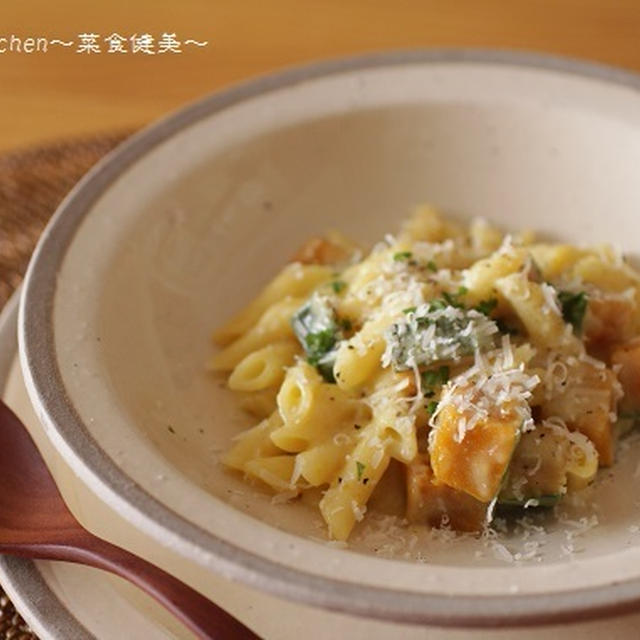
(497, 369)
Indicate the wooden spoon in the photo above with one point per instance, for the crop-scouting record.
(36, 523)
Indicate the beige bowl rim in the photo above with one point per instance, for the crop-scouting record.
(102, 475)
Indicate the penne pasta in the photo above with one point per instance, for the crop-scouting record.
(491, 366)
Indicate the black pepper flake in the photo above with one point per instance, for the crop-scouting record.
(171, 429)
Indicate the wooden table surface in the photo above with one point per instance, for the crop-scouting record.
(61, 93)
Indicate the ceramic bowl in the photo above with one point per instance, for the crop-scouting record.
(180, 227)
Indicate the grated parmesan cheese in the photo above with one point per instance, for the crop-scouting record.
(426, 336)
(285, 496)
(416, 291)
(486, 387)
(358, 510)
(507, 248)
(341, 439)
(550, 300)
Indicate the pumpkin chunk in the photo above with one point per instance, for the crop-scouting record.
(475, 460)
(628, 357)
(608, 322)
(538, 468)
(433, 503)
(587, 403)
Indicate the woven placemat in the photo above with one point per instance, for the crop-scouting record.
(32, 184)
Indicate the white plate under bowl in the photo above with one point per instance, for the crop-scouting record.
(181, 225)
(60, 600)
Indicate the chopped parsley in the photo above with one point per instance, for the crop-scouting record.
(409, 310)
(431, 265)
(574, 306)
(317, 329)
(431, 407)
(402, 255)
(360, 469)
(487, 306)
(453, 299)
(436, 304)
(338, 285)
(449, 300)
(318, 344)
(430, 335)
(435, 377)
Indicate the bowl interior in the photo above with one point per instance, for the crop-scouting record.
(190, 231)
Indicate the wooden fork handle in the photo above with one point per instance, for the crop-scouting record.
(206, 619)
